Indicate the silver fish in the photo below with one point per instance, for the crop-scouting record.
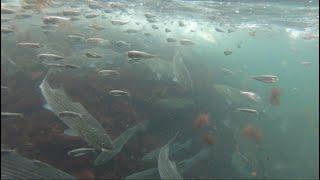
(139, 55)
(186, 42)
(149, 15)
(167, 169)
(226, 71)
(266, 78)
(227, 52)
(74, 37)
(112, 73)
(86, 127)
(119, 142)
(171, 40)
(6, 30)
(10, 114)
(49, 57)
(251, 95)
(93, 55)
(118, 93)
(247, 110)
(167, 30)
(28, 45)
(91, 15)
(81, 151)
(5, 10)
(71, 12)
(119, 22)
(69, 114)
(14, 166)
(54, 19)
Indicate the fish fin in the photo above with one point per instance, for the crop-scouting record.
(70, 132)
(47, 106)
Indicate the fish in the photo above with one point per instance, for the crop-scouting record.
(149, 15)
(182, 166)
(3, 19)
(6, 30)
(306, 63)
(152, 156)
(226, 71)
(167, 168)
(15, 166)
(154, 26)
(118, 93)
(219, 30)
(112, 73)
(171, 40)
(5, 10)
(93, 55)
(151, 20)
(81, 151)
(4, 88)
(119, 22)
(55, 19)
(182, 74)
(29, 45)
(69, 114)
(87, 127)
(91, 15)
(49, 57)
(181, 24)
(10, 114)
(247, 110)
(186, 42)
(71, 12)
(130, 31)
(251, 95)
(227, 52)
(119, 142)
(95, 40)
(266, 78)
(22, 15)
(167, 30)
(139, 55)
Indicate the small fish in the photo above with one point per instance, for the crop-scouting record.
(230, 30)
(91, 15)
(247, 110)
(154, 26)
(139, 55)
(54, 19)
(72, 37)
(22, 16)
(251, 95)
(118, 93)
(306, 63)
(5, 10)
(227, 52)
(130, 31)
(108, 73)
(149, 15)
(28, 45)
(167, 30)
(219, 30)
(151, 20)
(3, 19)
(71, 12)
(186, 42)
(226, 71)
(4, 88)
(6, 30)
(71, 66)
(95, 40)
(80, 152)
(266, 78)
(147, 34)
(65, 114)
(93, 55)
(55, 57)
(181, 24)
(119, 22)
(9, 114)
(171, 40)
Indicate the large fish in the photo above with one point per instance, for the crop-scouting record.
(14, 166)
(84, 125)
(182, 74)
(119, 142)
(167, 169)
(174, 148)
(183, 166)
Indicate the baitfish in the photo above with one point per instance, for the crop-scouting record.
(28, 45)
(167, 169)
(9, 114)
(182, 74)
(139, 55)
(14, 166)
(266, 78)
(54, 57)
(87, 127)
(119, 93)
(112, 73)
(247, 110)
(81, 151)
(119, 142)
